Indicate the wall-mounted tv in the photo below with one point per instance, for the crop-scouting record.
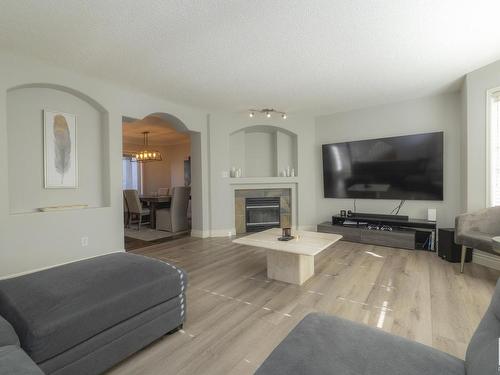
(408, 168)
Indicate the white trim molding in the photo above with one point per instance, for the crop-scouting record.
(311, 228)
(200, 233)
(491, 96)
(223, 232)
(486, 259)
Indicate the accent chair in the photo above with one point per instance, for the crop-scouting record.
(476, 231)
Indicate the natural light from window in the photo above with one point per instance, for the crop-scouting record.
(131, 174)
(494, 157)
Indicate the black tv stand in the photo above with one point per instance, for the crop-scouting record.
(393, 231)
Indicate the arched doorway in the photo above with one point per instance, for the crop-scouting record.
(170, 171)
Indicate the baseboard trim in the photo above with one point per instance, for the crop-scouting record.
(486, 259)
(311, 228)
(222, 232)
(200, 233)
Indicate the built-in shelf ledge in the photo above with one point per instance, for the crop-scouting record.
(37, 211)
(262, 180)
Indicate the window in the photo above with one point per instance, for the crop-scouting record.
(131, 174)
(494, 147)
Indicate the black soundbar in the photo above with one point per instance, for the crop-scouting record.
(379, 216)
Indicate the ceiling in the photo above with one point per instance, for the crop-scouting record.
(293, 55)
(160, 132)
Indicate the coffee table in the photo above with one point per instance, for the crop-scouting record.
(290, 261)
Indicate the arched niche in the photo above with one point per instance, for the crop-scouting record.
(263, 151)
(25, 108)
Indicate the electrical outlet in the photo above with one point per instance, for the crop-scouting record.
(85, 241)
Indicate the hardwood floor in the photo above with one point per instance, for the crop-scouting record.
(135, 243)
(236, 316)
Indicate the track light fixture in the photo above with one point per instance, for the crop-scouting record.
(268, 112)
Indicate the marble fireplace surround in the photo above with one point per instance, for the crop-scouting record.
(286, 194)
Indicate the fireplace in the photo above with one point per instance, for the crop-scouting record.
(260, 209)
(262, 213)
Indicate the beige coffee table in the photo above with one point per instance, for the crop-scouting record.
(290, 261)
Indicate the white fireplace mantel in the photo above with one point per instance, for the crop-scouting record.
(262, 181)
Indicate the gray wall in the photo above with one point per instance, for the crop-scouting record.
(25, 150)
(438, 113)
(222, 125)
(36, 240)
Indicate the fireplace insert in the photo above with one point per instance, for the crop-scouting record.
(262, 213)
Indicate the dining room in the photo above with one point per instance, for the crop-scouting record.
(156, 182)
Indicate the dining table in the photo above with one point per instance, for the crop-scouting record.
(155, 202)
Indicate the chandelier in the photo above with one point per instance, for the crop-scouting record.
(268, 112)
(147, 154)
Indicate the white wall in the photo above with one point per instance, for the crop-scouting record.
(260, 154)
(25, 152)
(36, 240)
(477, 83)
(438, 113)
(221, 193)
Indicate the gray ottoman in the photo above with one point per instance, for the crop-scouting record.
(13, 360)
(84, 317)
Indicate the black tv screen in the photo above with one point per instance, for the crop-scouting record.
(407, 168)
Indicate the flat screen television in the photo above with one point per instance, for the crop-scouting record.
(408, 168)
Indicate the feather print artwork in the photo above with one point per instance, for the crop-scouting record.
(62, 146)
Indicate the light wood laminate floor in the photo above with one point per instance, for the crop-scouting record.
(236, 316)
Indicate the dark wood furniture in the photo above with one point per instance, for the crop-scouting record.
(447, 247)
(154, 203)
(405, 234)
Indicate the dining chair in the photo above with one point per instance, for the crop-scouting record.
(126, 213)
(162, 192)
(174, 219)
(134, 206)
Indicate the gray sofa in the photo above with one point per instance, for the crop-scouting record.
(475, 230)
(86, 316)
(13, 360)
(322, 344)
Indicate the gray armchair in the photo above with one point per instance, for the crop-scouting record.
(174, 219)
(475, 230)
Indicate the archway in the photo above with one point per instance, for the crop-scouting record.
(180, 165)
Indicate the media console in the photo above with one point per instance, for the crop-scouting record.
(393, 231)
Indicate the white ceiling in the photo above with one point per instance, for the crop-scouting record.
(160, 132)
(321, 55)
